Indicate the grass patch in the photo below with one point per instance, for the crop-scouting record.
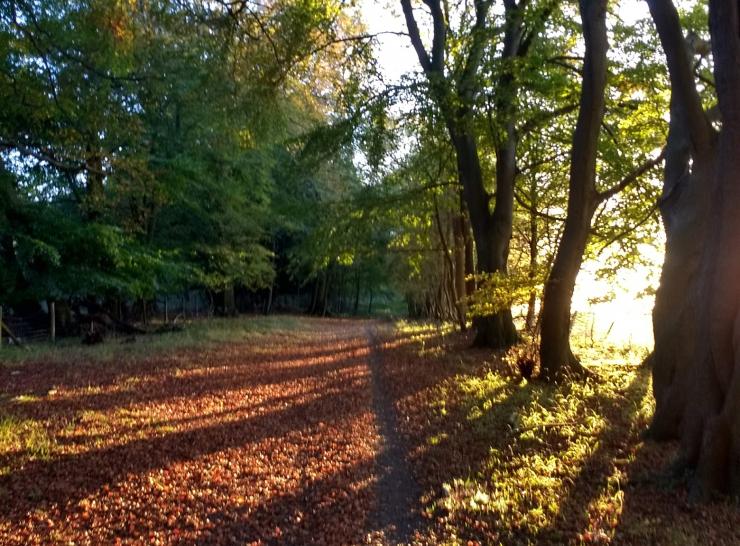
(543, 439)
(22, 440)
(203, 334)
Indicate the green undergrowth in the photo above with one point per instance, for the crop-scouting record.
(543, 440)
(22, 440)
(201, 334)
(525, 462)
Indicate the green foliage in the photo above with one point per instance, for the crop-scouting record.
(142, 143)
(498, 291)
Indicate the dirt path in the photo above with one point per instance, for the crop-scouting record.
(397, 492)
(273, 440)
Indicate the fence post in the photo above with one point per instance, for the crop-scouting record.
(1, 326)
(53, 321)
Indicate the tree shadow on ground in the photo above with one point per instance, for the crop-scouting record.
(461, 442)
(326, 511)
(63, 390)
(278, 448)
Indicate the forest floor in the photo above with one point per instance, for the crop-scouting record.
(287, 430)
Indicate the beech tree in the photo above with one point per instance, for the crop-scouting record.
(695, 361)
(141, 158)
(455, 91)
(586, 193)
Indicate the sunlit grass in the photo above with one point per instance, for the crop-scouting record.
(22, 440)
(555, 456)
(541, 438)
(202, 334)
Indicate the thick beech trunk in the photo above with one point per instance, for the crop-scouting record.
(555, 352)
(684, 207)
(696, 362)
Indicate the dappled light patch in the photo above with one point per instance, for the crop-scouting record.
(269, 441)
(504, 460)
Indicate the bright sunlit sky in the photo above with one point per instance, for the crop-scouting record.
(625, 319)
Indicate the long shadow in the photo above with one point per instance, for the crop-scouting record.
(72, 477)
(593, 479)
(322, 510)
(37, 378)
(337, 386)
(220, 374)
(443, 449)
(657, 508)
(331, 510)
(397, 381)
(397, 516)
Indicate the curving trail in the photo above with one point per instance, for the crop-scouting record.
(284, 438)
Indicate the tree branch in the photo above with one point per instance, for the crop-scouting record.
(421, 52)
(544, 117)
(529, 208)
(465, 85)
(47, 156)
(683, 84)
(632, 176)
(439, 36)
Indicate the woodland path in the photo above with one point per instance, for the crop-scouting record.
(286, 438)
(397, 491)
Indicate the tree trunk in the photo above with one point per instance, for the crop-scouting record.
(556, 355)
(95, 189)
(469, 258)
(340, 293)
(531, 320)
(448, 268)
(712, 423)
(314, 296)
(458, 226)
(684, 207)
(357, 293)
(455, 96)
(270, 294)
(697, 311)
(495, 331)
(229, 301)
(325, 290)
